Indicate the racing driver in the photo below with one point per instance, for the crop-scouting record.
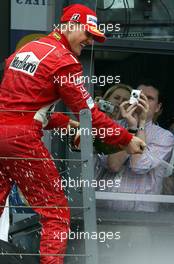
(37, 76)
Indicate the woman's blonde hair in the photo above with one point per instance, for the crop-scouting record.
(115, 87)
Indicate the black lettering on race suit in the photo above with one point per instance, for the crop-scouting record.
(20, 64)
(26, 64)
(19, 2)
(32, 68)
(29, 67)
(84, 92)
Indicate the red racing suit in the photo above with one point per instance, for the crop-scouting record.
(36, 76)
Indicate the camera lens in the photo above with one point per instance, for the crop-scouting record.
(135, 95)
(106, 107)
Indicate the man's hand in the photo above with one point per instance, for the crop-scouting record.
(128, 113)
(135, 146)
(142, 109)
(73, 123)
(73, 135)
(135, 114)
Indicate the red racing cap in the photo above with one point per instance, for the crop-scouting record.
(82, 14)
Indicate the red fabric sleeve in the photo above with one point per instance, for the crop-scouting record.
(57, 120)
(75, 96)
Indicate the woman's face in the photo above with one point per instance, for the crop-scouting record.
(119, 96)
(116, 98)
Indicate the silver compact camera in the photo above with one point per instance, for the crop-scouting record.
(135, 96)
(106, 106)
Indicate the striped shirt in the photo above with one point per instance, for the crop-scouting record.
(144, 178)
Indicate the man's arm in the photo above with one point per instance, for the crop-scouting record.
(141, 119)
(76, 98)
(154, 154)
(136, 117)
(160, 147)
(115, 161)
(59, 120)
(161, 144)
(134, 159)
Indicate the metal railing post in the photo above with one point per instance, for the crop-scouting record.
(89, 201)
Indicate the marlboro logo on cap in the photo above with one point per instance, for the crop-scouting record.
(84, 15)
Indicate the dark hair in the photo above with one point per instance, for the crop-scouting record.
(170, 121)
(156, 85)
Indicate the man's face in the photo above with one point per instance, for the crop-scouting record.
(152, 96)
(78, 38)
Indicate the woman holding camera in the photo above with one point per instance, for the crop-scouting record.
(110, 103)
